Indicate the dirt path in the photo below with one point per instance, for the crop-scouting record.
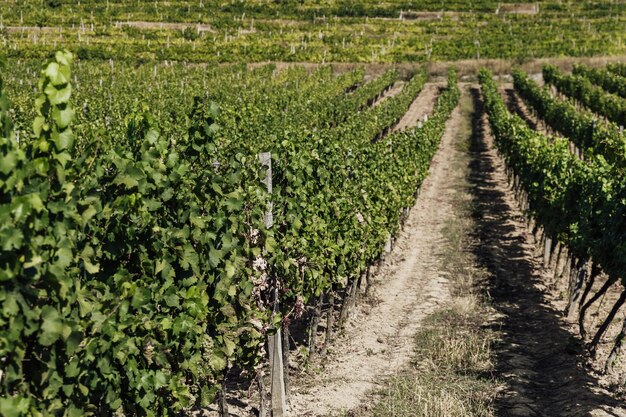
(421, 106)
(517, 105)
(165, 25)
(538, 359)
(378, 340)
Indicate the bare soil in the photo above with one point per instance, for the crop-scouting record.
(166, 25)
(518, 8)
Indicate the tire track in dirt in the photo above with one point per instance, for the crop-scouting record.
(538, 359)
(378, 339)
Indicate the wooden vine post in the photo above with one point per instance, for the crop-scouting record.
(274, 342)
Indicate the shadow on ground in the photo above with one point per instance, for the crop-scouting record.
(539, 361)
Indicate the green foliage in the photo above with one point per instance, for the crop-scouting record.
(580, 203)
(305, 31)
(190, 33)
(135, 265)
(588, 131)
(617, 68)
(607, 80)
(595, 98)
(118, 277)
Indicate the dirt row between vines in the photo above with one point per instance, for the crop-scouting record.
(421, 107)
(392, 91)
(378, 337)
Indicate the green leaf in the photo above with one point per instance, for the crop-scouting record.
(35, 260)
(229, 347)
(147, 400)
(10, 407)
(172, 300)
(64, 117)
(91, 268)
(8, 163)
(182, 324)
(64, 257)
(152, 135)
(234, 201)
(63, 139)
(167, 194)
(217, 361)
(58, 95)
(52, 71)
(88, 213)
(64, 57)
(63, 158)
(230, 269)
(73, 341)
(160, 379)
(140, 298)
(215, 256)
(9, 306)
(11, 238)
(52, 326)
(126, 180)
(75, 412)
(35, 201)
(71, 369)
(270, 244)
(38, 125)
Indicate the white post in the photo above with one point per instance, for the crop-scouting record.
(274, 342)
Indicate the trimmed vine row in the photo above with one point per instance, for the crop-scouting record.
(583, 128)
(595, 98)
(138, 274)
(580, 204)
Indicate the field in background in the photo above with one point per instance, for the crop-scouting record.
(321, 31)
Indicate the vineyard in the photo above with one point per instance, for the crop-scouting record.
(299, 209)
(312, 31)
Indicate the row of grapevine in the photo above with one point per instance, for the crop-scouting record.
(135, 278)
(582, 127)
(612, 83)
(579, 203)
(617, 68)
(364, 96)
(595, 98)
(129, 284)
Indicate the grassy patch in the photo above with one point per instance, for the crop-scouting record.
(450, 374)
